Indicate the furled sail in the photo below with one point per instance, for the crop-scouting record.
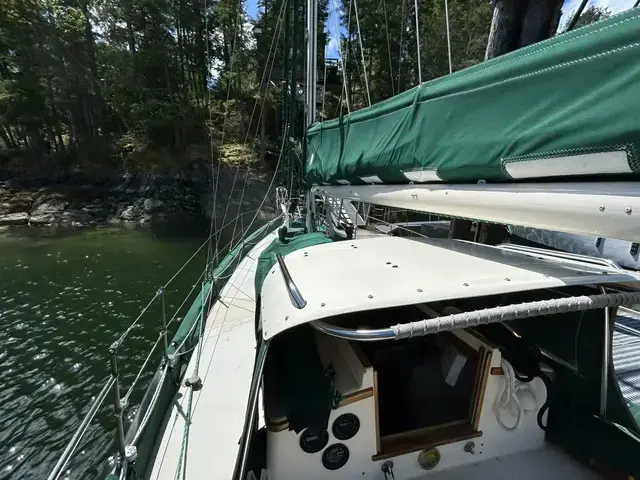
(566, 106)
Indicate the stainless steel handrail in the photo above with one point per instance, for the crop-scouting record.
(482, 317)
(75, 440)
(296, 297)
(360, 334)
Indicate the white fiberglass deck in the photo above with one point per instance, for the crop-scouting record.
(546, 463)
(226, 366)
(383, 272)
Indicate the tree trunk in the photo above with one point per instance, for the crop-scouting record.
(176, 131)
(89, 40)
(540, 21)
(505, 30)
(263, 139)
(5, 134)
(11, 138)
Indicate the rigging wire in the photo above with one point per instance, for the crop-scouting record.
(446, 15)
(212, 253)
(402, 27)
(364, 65)
(418, 44)
(576, 15)
(350, 46)
(386, 28)
(264, 72)
(324, 83)
(264, 97)
(344, 68)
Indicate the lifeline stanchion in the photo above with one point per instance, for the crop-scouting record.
(117, 403)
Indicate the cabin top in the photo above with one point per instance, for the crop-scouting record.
(377, 273)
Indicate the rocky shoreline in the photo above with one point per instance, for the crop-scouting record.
(141, 199)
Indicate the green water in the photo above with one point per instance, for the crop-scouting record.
(64, 297)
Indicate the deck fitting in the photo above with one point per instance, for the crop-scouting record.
(194, 382)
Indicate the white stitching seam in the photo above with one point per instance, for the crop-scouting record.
(517, 54)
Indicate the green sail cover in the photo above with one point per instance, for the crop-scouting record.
(569, 105)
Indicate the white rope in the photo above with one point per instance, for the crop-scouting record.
(514, 312)
(517, 398)
(418, 44)
(364, 65)
(446, 14)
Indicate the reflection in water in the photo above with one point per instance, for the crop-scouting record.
(63, 300)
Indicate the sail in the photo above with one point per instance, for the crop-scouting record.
(566, 106)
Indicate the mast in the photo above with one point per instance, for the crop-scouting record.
(312, 59)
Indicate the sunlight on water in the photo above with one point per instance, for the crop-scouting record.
(63, 299)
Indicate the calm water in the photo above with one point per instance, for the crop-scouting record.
(63, 299)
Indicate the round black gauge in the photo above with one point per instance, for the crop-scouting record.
(313, 440)
(335, 456)
(345, 426)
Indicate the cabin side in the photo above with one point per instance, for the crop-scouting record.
(485, 400)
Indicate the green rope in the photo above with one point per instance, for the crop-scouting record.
(185, 434)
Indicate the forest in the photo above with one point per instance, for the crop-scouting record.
(97, 86)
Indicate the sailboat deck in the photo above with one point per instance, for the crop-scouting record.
(226, 366)
(548, 463)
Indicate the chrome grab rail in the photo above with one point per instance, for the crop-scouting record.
(482, 317)
(296, 297)
(359, 334)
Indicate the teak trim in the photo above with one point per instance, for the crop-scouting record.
(479, 400)
(353, 397)
(375, 403)
(395, 450)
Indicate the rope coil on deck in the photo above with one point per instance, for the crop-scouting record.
(514, 312)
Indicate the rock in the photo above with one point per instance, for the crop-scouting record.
(43, 219)
(50, 206)
(152, 204)
(20, 218)
(17, 202)
(7, 207)
(76, 218)
(129, 213)
(48, 212)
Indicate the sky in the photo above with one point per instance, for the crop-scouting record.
(334, 28)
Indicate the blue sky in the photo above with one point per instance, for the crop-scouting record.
(334, 27)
